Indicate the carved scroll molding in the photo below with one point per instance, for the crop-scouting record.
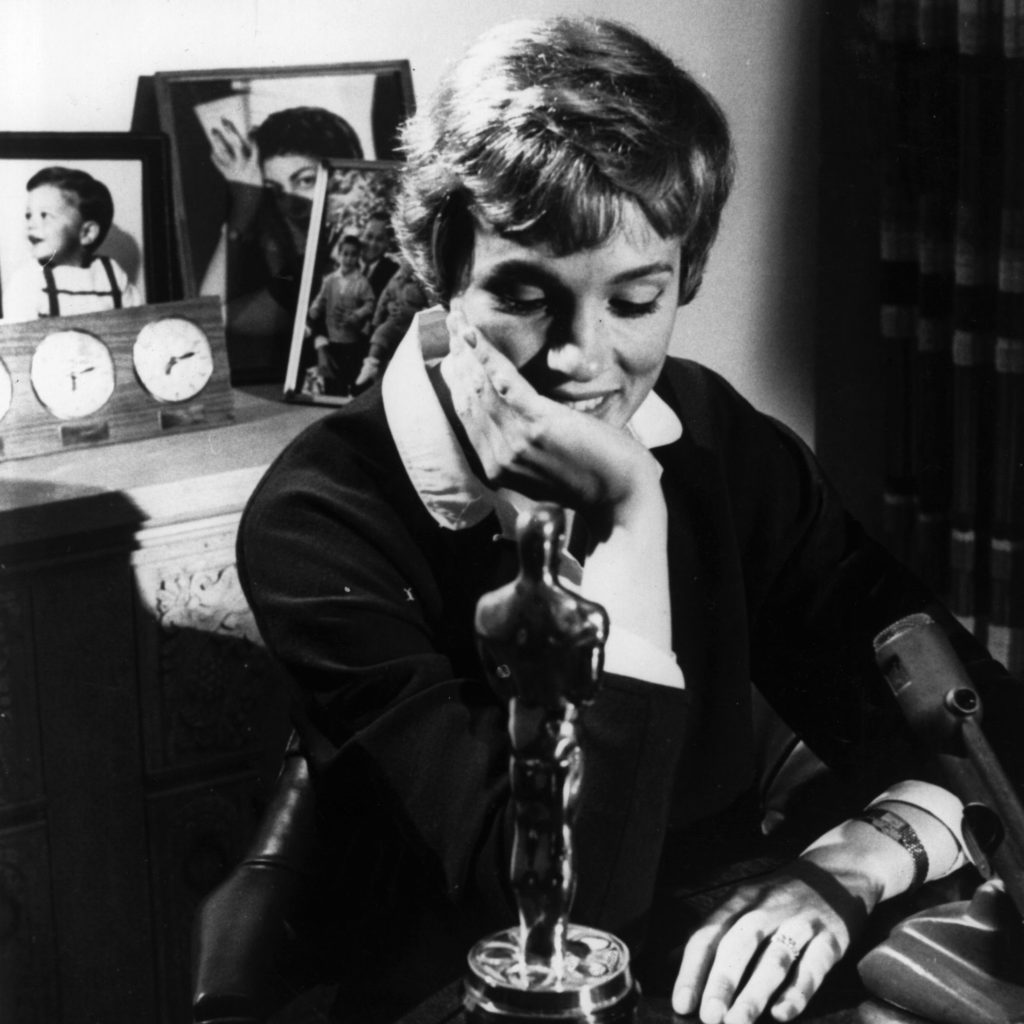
(213, 674)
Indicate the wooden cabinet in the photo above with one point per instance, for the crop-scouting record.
(140, 720)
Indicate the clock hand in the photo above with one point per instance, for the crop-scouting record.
(75, 374)
(174, 360)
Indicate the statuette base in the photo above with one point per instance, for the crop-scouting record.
(595, 986)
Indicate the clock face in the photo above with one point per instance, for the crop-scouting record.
(72, 373)
(173, 359)
(6, 389)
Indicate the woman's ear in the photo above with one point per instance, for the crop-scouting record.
(88, 233)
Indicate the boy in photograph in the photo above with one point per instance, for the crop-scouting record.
(67, 217)
(337, 318)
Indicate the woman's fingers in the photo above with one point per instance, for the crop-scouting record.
(699, 955)
(508, 383)
(477, 406)
(819, 957)
(783, 956)
(238, 142)
(769, 947)
(753, 971)
(735, 952)
(504, 380)
(490, 397)
(233, 154)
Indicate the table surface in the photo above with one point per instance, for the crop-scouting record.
(152, 481)
(842, 1000)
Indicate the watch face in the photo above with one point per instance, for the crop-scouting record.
(6, 389)
(72, 373)
(173, 359)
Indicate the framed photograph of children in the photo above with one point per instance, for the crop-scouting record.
(350, 271)
(85, 223)
(245, 148)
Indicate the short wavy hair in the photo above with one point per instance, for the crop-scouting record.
(91, 196)
(546, 130)
(307, 131)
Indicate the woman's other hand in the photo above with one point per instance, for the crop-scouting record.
(234, 155)
(773, 941)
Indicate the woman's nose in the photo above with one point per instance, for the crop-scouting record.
(579, 350)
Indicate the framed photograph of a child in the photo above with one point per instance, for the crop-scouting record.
(85, 223)
(245, 148)
(340, 337)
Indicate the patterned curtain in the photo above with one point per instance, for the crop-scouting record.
(952, 303)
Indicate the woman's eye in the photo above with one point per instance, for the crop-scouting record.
(520, 303)
(635, 307)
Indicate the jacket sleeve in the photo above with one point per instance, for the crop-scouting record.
(409, 740)
(819, 591)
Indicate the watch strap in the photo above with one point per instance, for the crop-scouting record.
(890, 824)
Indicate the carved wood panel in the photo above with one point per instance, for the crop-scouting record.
(215, 720)
(140, 721)
(209, 691)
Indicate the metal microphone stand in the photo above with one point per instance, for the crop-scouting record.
(961, 963)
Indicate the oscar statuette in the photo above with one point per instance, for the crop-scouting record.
(543, 649)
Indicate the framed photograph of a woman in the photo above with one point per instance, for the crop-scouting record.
(84, 223)
(246, 145)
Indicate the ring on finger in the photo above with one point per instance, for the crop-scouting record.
(788, 943)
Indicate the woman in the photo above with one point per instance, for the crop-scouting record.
(271, 175)
(562, 193)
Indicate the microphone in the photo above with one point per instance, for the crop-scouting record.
(944, 711)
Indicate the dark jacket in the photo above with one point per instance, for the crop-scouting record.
(369, 604)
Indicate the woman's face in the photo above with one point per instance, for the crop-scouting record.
(590, 329)
(290, 174)
(291, 179)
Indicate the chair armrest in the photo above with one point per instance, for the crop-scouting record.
(246, 961)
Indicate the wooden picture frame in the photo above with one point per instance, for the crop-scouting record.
(242, 206)
(134, 167)
(348, 194)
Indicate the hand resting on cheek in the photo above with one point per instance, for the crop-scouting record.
(538, 446)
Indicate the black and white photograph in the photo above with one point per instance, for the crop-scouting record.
(358, 295)
(599, 597)
(84, 223)
(246, 144)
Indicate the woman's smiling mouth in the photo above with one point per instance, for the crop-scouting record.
(591, 403)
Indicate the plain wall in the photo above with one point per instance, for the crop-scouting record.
(68, 66)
